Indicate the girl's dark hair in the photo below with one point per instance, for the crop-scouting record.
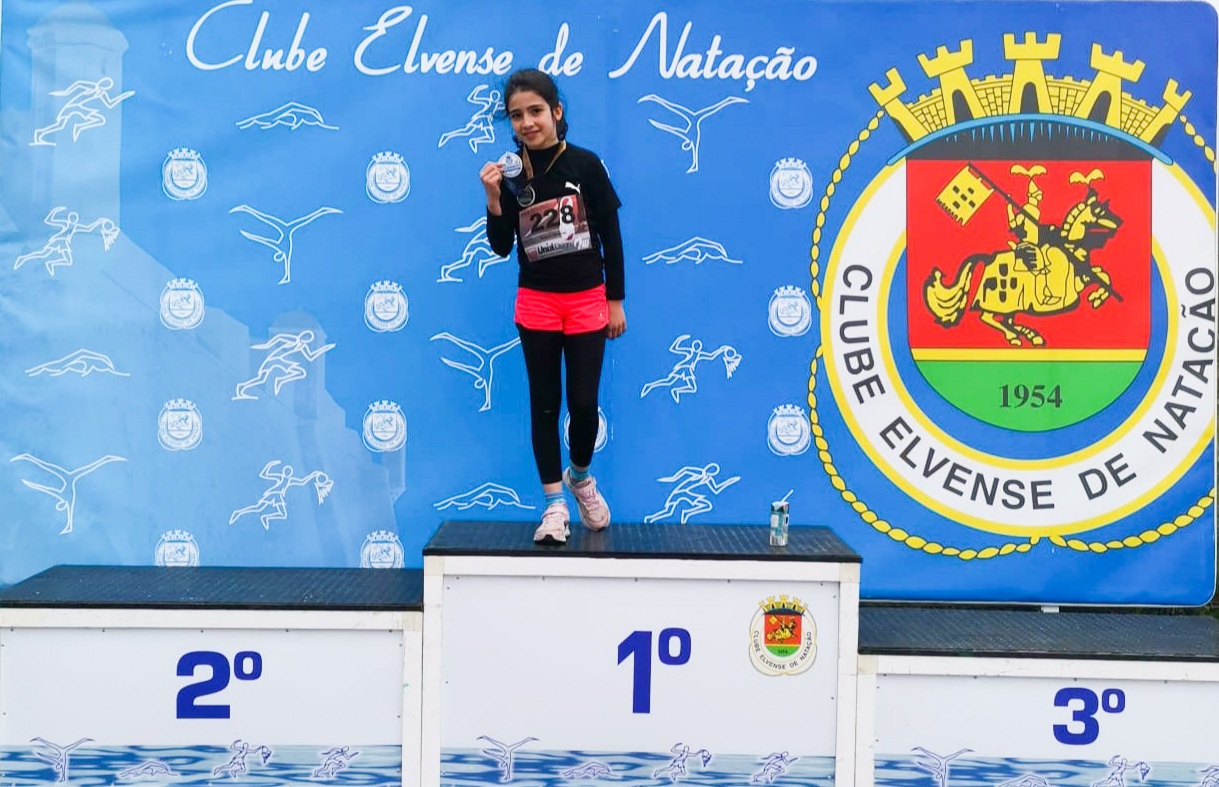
(535, 81)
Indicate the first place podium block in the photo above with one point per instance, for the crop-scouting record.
(642, 653)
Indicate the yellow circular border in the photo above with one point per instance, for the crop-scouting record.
(869, 516)
(903, 395)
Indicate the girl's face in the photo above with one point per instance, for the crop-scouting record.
(533, 121)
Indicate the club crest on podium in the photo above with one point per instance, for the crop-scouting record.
(782, 637)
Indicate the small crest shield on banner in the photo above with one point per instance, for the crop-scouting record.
(382, 549)
(182, 306)
(790, 312)
(387, 178)
(385, 307)
(384, 427)
(791, 184)
(184, 175)
(179, 426)
(177, 548)
(788, 431)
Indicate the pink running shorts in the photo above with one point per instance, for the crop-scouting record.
(569, 312)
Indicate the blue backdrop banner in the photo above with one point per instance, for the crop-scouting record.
(941, 275)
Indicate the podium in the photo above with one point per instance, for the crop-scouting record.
(1030, 699)
(112, 675)
(653, 653)
(643, 653)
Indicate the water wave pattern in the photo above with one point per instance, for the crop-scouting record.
(549, 768)
(120, 766)
(902, 771)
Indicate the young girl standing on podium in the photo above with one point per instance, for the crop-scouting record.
(556, 202)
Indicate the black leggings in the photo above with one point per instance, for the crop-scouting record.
(545, 352)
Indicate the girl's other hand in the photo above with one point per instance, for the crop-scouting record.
(617, 320)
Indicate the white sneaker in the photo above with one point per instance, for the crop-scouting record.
(554, 528)
(594, 511)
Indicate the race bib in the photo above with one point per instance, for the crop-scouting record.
(555, 227)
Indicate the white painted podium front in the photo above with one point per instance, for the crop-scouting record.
(203, 676)
(1030, 699)
(641, 653)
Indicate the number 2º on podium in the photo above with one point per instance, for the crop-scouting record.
(247, 665)
(672, 649)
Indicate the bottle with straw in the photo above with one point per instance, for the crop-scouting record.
(778, 521)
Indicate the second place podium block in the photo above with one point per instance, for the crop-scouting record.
(190, 677)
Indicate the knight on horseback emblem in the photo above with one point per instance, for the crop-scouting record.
(1018, 319)
(1046, 268)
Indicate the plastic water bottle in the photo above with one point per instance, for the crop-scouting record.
(778, 523)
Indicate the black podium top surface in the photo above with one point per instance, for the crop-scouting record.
(146, 587)
(905, 631)
(681, 542)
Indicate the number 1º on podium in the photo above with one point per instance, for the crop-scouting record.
(672, 649)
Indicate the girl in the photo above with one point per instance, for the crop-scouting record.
(562, 212)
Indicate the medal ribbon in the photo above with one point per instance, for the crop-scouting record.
(529, 164)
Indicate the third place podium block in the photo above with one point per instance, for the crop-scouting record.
(642, 653)
(1020, 698)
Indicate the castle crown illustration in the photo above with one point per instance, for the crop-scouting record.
(784, 604)
(1028, 90)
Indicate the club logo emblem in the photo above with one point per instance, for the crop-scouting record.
(791, 184)
(384, 427)
(181, 305)
(788, 431)
(782, 637)
(177, 548)
(387, 179)
(183, 175)
(179, 427)
(790, 312)
(385, 307)
(381, 549)
(1017, 325)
